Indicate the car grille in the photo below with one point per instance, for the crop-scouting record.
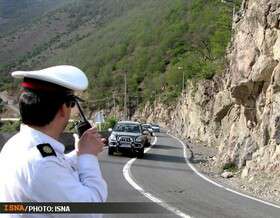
(125, 139)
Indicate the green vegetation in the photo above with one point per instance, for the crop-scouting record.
(28, 43)
(70, 127)
(110, 122)
(9, 126)
(21, 13)
(154, 42)
(231, 167)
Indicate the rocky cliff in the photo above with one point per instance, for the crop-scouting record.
(238, 112)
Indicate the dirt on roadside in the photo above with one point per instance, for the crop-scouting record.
(262, 186)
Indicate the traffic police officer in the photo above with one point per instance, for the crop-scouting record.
(33, 165)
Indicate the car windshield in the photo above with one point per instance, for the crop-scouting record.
(127, 128)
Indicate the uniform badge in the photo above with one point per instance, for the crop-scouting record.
(46, 150)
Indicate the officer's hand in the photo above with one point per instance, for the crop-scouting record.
(90, 142)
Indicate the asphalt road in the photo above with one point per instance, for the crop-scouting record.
(163, 172)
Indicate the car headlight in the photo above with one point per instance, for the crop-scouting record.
(113, 138)
(138, 139)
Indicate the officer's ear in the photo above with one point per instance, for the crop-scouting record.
(63, 110)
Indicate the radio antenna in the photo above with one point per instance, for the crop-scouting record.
(82, 116)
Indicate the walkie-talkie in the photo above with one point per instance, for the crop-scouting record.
(83, 124)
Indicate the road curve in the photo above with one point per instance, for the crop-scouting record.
(163, 172)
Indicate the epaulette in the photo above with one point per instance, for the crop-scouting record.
(46, 150)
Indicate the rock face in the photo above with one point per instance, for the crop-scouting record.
(238, 112)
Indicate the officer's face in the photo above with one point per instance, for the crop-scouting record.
(67, 114)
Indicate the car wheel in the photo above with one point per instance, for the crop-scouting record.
(131, 153)
(110, 151)
(146, 144)
(140, 154)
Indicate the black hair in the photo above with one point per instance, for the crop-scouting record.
(40, 101)
(40, 108)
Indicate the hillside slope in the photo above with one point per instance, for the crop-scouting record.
(151, 43)
(57, 26)
(14, 13)
(154, 42)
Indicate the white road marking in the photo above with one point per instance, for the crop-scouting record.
(217, 184)
(127, 175)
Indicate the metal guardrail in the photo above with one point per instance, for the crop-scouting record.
(9, 119)
(17, 119)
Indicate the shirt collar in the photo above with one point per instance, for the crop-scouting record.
(41, 137)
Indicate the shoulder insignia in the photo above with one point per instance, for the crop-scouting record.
(46, 150)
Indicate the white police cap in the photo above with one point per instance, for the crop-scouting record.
(64, 75)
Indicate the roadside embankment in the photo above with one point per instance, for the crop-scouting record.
(237, 112)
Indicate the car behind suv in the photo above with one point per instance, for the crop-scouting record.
(148, 127)
(155, 127)
(127, 136)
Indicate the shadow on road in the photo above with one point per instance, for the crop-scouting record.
(161, 135)
(167, 147)
(165, 158)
